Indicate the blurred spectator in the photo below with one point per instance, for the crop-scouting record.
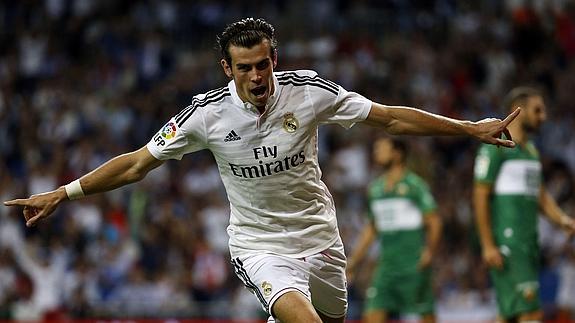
(45, 266)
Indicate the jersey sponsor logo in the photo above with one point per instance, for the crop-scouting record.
(169, 130)
(396, 214)
(519, 177)
(268, 163)
(232, 136)
(290, 123)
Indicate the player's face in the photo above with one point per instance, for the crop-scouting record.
(534, 113)
(383, 153)
(252, 71)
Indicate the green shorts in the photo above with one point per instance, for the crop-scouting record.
(401, 293)
(517, 284)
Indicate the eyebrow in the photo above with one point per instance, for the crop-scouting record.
(240, 65)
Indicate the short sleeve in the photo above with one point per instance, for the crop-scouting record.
(178, 137)
(487, 163)
(337, 105)
(425, 201)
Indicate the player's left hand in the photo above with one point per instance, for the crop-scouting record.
(490, 130)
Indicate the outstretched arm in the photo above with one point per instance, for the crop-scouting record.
(118, 171)
(399, 120)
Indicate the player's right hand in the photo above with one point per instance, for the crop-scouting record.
(493, 257)
(490, 130)
(39, 206)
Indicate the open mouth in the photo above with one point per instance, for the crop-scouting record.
(259, 91)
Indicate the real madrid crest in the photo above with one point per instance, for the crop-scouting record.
(267, 288)
(290, 122)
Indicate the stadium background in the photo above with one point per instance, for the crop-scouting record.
(84, 80)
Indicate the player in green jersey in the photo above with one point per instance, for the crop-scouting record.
(508, 195)
(402, 215)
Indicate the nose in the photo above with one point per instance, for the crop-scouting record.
(255, 75)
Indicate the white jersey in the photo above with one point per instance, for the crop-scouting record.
(269, 162)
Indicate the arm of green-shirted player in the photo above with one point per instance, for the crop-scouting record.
(118, 171)
(433, 227)
(400, 120)
(554, 212)
(367, 236)
(490, 252)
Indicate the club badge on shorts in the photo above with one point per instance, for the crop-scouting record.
(528, 290)
(529, 294)
(290, 122)
(267, 288)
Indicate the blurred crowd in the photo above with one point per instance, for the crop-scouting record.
(82, 81)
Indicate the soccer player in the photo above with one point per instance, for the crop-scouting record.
(262, 130)
(508, 194)
(402, 215)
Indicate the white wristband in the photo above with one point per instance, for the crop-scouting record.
(74, 190)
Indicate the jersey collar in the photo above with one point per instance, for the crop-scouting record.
(250, 107)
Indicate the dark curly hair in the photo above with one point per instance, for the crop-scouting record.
(246, 33)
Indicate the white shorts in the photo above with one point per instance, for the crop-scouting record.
(320, 278)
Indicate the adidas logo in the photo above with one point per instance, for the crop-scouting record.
(232, 136)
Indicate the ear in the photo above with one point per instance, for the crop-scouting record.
(275, 58)
(227, 68)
